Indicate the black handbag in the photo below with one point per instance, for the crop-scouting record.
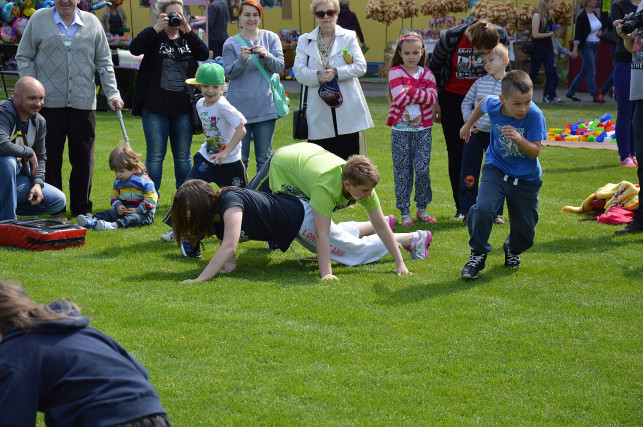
(299, 123)
(609, 36)
(528, 46)
(197, 126)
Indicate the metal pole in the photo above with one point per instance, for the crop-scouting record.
(120, 118)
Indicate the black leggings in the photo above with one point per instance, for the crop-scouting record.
(452, 122)
(342, 146)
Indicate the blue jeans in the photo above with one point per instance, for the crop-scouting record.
(472, 154)
(125, 221)
(588, 55)
(624, 109)
(261, 133)
(14, 192)
(522, 205)
(157, 129)
(637, 124)
(545, 55)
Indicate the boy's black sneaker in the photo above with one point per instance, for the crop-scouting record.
(474, 266)
(636, 226)
(188, 251)
(511, 260)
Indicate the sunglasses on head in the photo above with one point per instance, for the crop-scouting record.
(330, 13)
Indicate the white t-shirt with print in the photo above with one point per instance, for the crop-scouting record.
(219, 122)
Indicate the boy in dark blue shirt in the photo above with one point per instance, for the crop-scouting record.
(511, 171)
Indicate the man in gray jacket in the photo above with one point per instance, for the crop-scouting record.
(23, 156)
(64, 47)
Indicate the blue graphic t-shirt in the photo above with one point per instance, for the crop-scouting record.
(503, 152)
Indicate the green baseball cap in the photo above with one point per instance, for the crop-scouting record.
(208, 74)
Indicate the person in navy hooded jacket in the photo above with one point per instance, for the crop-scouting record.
(51, 361)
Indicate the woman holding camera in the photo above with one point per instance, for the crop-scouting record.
(171, 52)
(248, 91)
(622, 80)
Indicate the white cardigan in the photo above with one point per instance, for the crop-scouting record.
(353, 115)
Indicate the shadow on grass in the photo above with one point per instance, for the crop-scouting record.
(633, 273)
(578, 169)
(253, 264)
(574, 244)
(420, 292)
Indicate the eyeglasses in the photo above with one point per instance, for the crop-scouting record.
(330, 13)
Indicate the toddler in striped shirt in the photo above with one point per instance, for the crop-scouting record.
(133, 197)
(495, 64)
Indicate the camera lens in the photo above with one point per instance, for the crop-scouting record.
(174, 20)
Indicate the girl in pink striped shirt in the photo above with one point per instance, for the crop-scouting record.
(412, 92)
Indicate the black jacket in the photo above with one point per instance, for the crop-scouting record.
(148, 42)
(440, 63)
(582, 28)
(618, 11)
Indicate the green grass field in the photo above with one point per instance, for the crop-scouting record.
(555, 342)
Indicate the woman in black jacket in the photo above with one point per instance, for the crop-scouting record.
(171, 52)
(464, 43)
(588, 28)
(622, 77)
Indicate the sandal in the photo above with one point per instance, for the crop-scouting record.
(574, 97)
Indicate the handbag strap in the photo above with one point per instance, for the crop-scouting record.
(303, 102)
(189, 88)
(259, 66)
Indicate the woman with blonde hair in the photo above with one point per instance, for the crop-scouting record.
(162, 99)
(542, 33)
(328, 62)
(52, 361)
(586, 38)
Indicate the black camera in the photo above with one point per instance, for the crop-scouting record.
(174, 19)
(632, 23)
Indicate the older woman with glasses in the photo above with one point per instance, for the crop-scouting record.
(328, 62)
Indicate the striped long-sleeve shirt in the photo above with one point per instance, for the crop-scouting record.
(136, 192)
(483, 86)
(421, 91)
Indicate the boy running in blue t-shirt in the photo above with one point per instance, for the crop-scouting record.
(511, 171)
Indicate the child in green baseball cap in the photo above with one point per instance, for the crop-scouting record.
(223, 125)
(219, 158)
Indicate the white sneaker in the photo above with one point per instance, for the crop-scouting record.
(421, 249)
(86, 221)
(168, 237)
(105, 225)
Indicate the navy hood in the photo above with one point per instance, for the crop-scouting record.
(75, 321)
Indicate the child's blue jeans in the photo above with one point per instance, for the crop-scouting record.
(522, 206)
(472, 154)
(125, 221)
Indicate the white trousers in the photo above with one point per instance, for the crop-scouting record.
(346, 247)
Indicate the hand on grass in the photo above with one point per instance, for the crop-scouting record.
(402, 270)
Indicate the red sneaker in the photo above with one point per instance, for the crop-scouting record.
(628, 163)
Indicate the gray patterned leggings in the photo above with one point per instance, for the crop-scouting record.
(412, 153)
